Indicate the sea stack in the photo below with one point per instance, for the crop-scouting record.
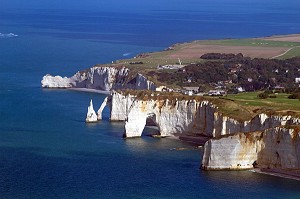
(91, 115)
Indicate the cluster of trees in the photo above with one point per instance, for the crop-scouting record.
(271, 94)
(224, 56)
(267, 73)
(294, 93)
(194, 74)
(294, 96)
(252, 74)
(266, 94)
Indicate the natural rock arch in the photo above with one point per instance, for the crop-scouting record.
(135, 123)
(151, 123)
(103, 105)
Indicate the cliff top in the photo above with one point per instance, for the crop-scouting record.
(242, 107)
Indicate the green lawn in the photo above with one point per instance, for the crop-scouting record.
(280, 103)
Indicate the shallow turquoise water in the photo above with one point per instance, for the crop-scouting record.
(47, 150)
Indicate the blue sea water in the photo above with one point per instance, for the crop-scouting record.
(47, 150)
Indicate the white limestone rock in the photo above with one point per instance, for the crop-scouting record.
(172, 118)
(91, 115)
(120, 105)
(261, 141)
(184, 117)
(104, 103)
(231, 152)
(142, 83)
(49, 81)
(101, 78)
(272, 148)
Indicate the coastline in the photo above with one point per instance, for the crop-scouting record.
(90, 90)
(200, 141)
(288, 174)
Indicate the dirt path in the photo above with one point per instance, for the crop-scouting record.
(285, 52)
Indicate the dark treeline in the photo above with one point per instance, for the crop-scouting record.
(225, 56)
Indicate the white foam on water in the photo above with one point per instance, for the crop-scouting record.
(126, 54)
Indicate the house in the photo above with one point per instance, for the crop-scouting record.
(161, 89)
(190, 90)
(278, 87)
(164, 89)
(234, 68)
(297, 80)
(171, 67)
(181, 70)
(216, 93)
(240, 89)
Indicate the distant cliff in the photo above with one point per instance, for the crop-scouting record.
(100, 78)
(265, 140)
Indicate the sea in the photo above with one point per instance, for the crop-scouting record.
(46, 148)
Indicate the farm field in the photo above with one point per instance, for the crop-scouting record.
(279, 47)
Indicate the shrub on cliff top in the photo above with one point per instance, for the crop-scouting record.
(263, 95)
(294, 96)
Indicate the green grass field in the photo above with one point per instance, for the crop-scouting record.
(280, 105)
(252, 42)
(295, 52)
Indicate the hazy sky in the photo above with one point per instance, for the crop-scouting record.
(133, 4)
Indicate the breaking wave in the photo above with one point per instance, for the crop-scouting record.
(9, 35)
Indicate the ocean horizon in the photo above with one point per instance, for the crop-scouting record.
(46, 148)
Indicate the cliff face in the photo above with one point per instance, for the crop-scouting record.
(171, 118)
(234, 145)
(49, 81)
(225, 125)
(118, 104)
(101, 78)
(271, 148)
(140, 82)
(174, 117)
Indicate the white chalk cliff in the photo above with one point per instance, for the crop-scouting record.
(91, 115)
(272, 148)
(174, 117)
(49, 81)
(234, 144)
(101, 78)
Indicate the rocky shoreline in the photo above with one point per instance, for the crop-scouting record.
(289, 174)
